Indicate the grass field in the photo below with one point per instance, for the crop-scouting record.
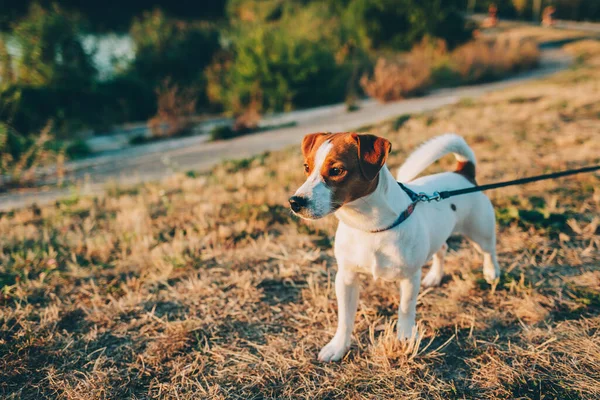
(204, 286)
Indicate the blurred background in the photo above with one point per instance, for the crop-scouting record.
(128, 78)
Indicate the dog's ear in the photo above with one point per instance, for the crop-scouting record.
(372, 153)
(309, 142)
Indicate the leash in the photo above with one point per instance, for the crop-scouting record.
(417, 198)
(437, 196)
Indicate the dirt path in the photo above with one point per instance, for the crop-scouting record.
(158, 161)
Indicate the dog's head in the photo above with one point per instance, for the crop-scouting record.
(340, 168)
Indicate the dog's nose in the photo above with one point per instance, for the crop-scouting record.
(297, 203)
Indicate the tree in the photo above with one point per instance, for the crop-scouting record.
(171, 48)
(398, 24)
(51, 50)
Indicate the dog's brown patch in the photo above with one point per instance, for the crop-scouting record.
(466, 169)
(358, 157)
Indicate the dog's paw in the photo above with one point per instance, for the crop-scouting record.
(334, 351)
(407, 331)
(491, 274)
(431, 280)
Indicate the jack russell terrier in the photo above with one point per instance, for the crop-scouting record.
(382, 229)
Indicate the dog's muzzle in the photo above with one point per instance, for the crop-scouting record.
(297, 203)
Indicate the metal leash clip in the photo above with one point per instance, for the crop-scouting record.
(424, 197)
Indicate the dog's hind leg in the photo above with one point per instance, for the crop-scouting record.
(481, 229)
(436, 273)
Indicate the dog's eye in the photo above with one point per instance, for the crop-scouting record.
(335, 171)
(306, 168)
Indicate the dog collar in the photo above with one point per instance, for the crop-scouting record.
(414, 197)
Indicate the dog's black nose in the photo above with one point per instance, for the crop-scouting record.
(297, 203)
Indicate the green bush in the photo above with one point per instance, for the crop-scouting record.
(28, 109)
(298, 60)
(298, 53)
(78, 149)
(223, 133)
(399, 24)
(170, 48)
(51, 50)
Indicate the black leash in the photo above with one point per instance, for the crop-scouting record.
(450, 193)
(417, 198)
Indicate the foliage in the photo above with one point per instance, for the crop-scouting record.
(480, 61)
(301, 59)
(169, 48)
(116, 15)
(21, 156)
(7, 75)
(28, 109)
(398, 24)
(51, 50)
(222, 132)
(430, 63)
(404, 76)
(176, 106)
(306, 53)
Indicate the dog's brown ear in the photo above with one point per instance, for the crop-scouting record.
(309, 142)
(372, 153)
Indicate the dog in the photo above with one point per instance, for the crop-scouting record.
(383, 230)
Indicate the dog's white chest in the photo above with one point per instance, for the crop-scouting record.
(374, 254)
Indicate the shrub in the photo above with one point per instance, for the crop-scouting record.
(28, 109)
(244, 123)
(429, 63)
(223, 132)
(78, 149)
(174, 49)
(176, 106)
(7, 75)
(21, 156)
(483, 61)
(52, 78)
(248, 120)
(296, 61)
(408, 75)
(51, 50)
(399, 24)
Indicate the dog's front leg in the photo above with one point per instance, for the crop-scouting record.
(346, 291)
(407, 311)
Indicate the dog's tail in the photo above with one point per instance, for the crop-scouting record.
(434, 149)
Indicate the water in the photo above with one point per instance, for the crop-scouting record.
(111, 53)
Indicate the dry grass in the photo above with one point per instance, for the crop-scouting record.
(206, 286)
(404, 76)
(176, 106)
(34, 158)
(430, 64)
(480, 60)
(585, 51)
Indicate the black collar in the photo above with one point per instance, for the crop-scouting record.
(414, 197)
